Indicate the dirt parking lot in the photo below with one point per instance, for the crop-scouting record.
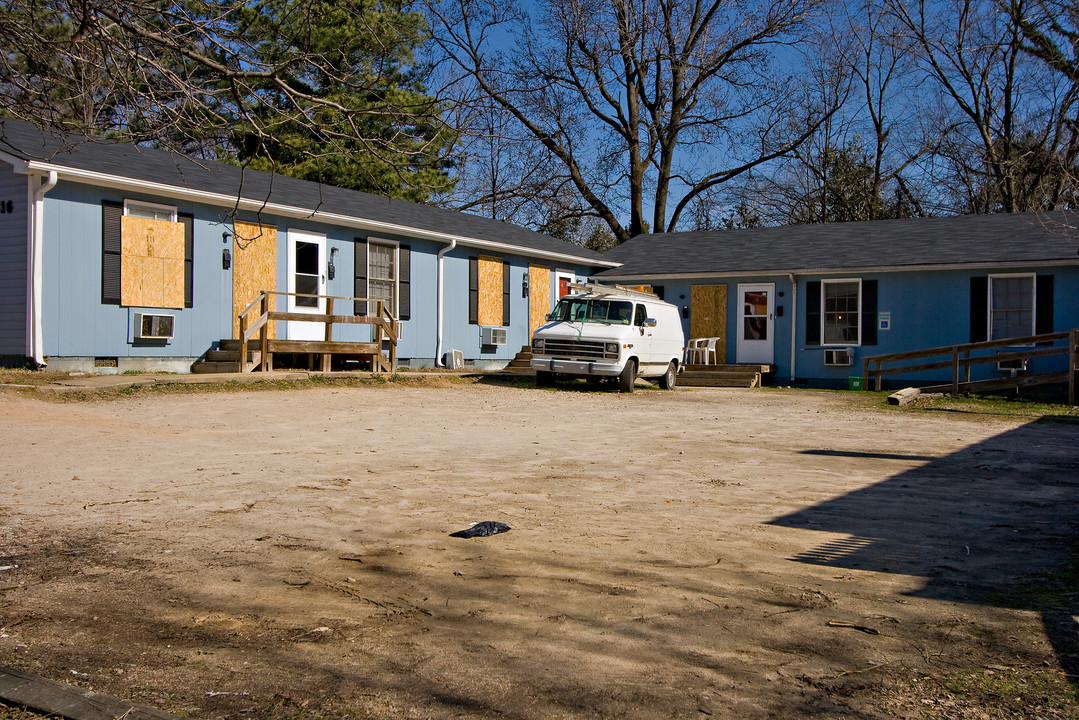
(701, 553)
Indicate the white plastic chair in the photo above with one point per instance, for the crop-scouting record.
(694, 348)
(707, 350)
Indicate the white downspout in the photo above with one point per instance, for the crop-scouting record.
(35, 342)
(794, 324)
(439, 300)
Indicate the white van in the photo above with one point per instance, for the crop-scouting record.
(603, 331)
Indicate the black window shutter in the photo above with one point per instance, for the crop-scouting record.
(189, 257)
(869, 312)
(111, 217)
(1043, 323)
(359, 273)
(979, 308)
(813, 313)
(505, 292)
(473, 291)
(404, 282)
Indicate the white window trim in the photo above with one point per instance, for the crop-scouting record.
(824, 315)
(156, 207)
(1033, 303)
(396, 245)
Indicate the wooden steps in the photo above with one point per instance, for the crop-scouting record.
(226, 359)
(729, 376)
(521, 364)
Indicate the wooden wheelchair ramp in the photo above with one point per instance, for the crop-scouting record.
(255, 349)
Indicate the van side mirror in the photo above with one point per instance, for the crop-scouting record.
(649, 322)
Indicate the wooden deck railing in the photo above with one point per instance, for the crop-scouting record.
(385, 326)
(961, 358)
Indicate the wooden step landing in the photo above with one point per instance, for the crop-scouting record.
(732, 376)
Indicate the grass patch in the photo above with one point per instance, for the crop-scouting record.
(1004, 406)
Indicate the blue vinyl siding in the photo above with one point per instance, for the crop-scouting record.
(927, 309)
(77, 324)
(13, 248)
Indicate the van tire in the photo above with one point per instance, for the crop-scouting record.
(544, 378)
(667, 379)
(628, 377)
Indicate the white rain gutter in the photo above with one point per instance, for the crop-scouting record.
(794, 323)
(299, 213)
(439, 300)
(35, 345)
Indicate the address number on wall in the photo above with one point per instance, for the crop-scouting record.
(7, 207)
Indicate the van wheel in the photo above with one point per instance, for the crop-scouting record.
(667, 379)
(544, 378)
(628, 377)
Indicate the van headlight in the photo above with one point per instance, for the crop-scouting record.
(537, 345)
(610, 350)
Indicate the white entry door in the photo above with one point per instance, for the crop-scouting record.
(306, 276)
(755, 341)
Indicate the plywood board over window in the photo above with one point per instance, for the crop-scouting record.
(151, 263)
(708, 315)
(539, 296)
(490, 290)
(254, 268)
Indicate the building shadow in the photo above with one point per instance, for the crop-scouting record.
(996, 523)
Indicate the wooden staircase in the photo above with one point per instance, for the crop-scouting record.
(726, 376)
(225, 359)
(521, 362)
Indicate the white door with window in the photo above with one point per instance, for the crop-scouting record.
(306, 280)
(757, 323)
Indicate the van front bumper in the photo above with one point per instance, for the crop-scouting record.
(577, 367)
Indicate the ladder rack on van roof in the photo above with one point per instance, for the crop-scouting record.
(600, 289)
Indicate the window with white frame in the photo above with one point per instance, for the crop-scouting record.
(841, 311)
(1011, 306)
(150, 211)
(382, 274)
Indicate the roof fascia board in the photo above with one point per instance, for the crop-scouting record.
(844, 271)
(21, 166)
(299, 213)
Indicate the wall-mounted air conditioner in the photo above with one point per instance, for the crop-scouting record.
(492, 336)
(1012, 366)
(152, 326)
(839, 357)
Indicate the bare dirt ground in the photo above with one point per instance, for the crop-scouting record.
(724, 553)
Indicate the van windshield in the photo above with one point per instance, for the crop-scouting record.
(582, 310)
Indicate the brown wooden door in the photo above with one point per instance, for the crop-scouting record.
(708, 316)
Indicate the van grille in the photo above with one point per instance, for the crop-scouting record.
(574, 349)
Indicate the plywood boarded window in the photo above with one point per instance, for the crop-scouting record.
(491, 290)
(254, 268)
(539, 296)
(152, 262)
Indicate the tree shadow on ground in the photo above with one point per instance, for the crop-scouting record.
(996, 524)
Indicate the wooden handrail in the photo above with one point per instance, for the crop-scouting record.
(961, 358)
(383, 321)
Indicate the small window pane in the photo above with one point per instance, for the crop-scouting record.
(841, 319)
(1013, 307)
(306, 260)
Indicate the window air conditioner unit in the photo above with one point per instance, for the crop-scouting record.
(839, 357)
(1012, 366)
(492, 336)
(153, 327)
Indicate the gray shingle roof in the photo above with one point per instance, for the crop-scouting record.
(977, 240)
(26, 142)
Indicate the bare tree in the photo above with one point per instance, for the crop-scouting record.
(1013, 134)
(642, 102)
